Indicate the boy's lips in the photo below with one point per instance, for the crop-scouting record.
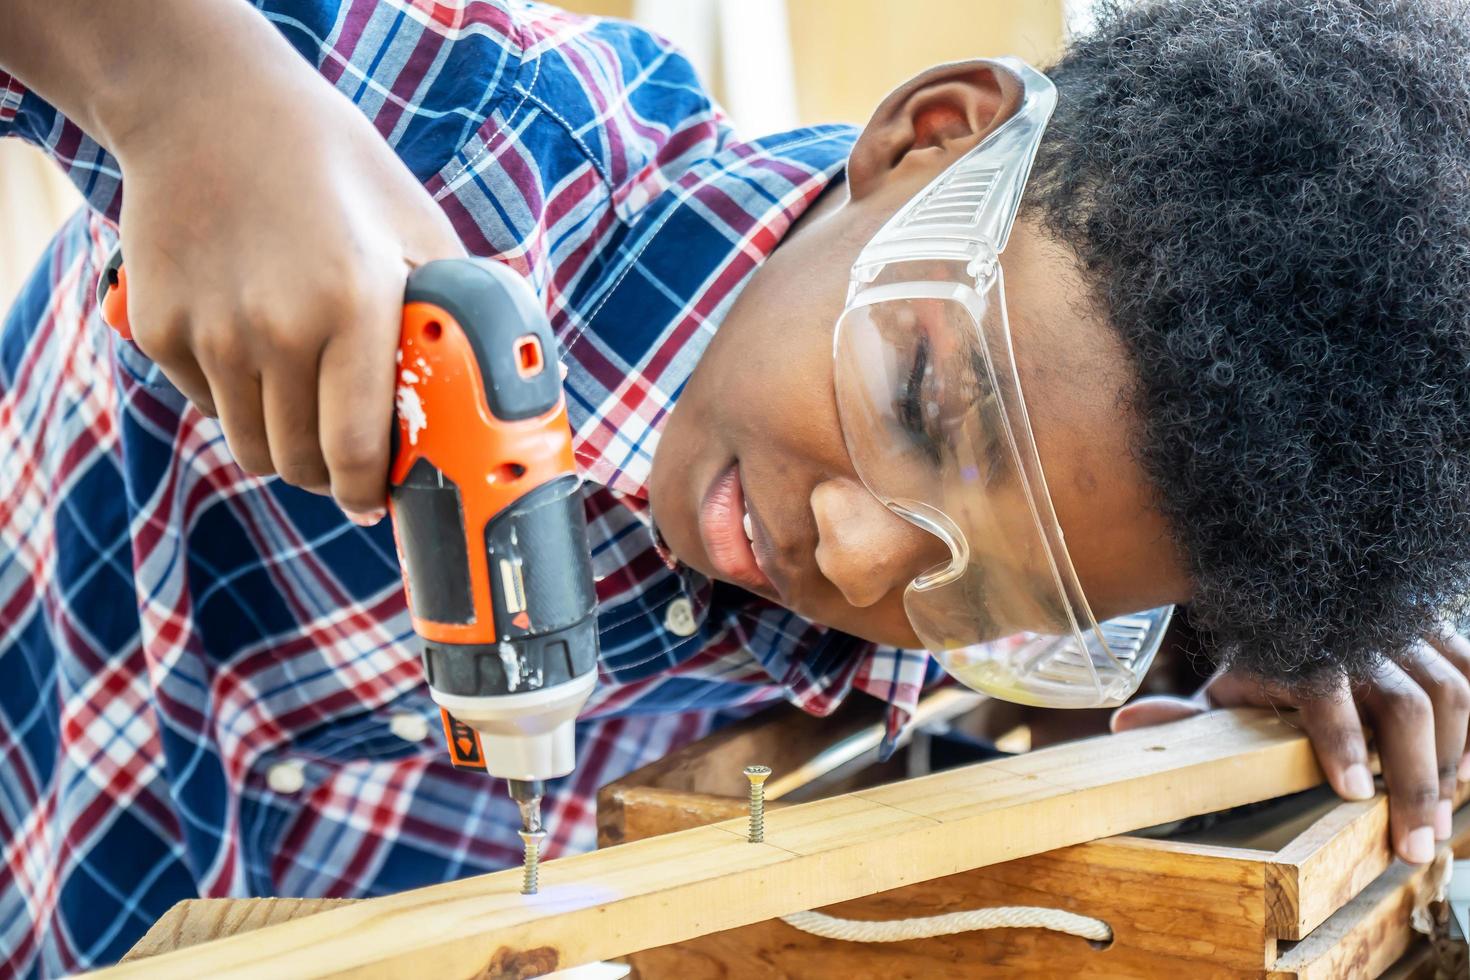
(722, 529)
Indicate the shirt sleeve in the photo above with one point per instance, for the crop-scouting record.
(601, 118)
(93, 170)
(11, 92)
(426, 77)
(511, 114)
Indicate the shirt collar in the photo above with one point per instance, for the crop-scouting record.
(639, 327)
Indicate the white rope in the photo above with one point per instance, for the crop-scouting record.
(898, 930)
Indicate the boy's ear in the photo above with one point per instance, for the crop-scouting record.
(946, 109)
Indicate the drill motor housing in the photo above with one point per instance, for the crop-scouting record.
(489, 522)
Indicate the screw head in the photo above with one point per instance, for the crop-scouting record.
(757, 774)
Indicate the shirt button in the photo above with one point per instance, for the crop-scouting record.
(286, 777)
(680, 617)
(409, 726)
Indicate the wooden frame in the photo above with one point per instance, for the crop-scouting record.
(1363, 938)
(1176, 908)
(665, 889)
(1230, 901)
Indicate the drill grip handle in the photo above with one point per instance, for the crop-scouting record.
(483, 489)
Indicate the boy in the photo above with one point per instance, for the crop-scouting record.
(1239, 293)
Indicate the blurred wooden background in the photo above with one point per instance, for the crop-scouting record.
(34, 198)
(772, 63)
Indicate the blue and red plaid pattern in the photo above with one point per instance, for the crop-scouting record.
(202, 673)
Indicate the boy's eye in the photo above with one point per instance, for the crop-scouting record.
(931, 414)
(918, 409)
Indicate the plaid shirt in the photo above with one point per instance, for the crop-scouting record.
(209, 683)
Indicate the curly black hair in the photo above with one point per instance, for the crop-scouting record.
(1271, 200)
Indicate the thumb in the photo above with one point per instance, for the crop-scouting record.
(1156, 710)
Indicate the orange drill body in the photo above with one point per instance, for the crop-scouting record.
(444, 418)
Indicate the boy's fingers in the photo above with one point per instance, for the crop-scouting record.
(1449, 696)
(186, 376)
(288, 395)
(356, 399)
(243, 421)
(1156, 710)
(163, 336)
(1403, 721)
(178, 363)
(1456, 650)
(1336, 730)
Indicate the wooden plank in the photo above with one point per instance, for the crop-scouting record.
(1323, 868)
(1419, 963)
(1365, 936)
(631, 813)
(1193, 912)
(1205, 921)
(199, 920)
(664, 889)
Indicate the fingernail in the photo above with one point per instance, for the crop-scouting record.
(365, 520)
(1419, 845)
(1464, 772)
(1357, 782)
(1442, 816)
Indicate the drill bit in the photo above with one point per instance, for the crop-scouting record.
(527, 794)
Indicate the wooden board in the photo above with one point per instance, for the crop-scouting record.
(198, 920)
(635, 812)
(1212, 927)
(1331, 862)
(664, 889)
(1323, 868)
(1370, 932)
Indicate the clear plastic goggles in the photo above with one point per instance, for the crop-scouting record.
(932, 413)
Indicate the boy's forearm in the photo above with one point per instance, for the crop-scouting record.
(117, 67)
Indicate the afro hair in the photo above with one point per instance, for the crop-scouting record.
(1271, 202)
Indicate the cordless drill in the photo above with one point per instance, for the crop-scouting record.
(489, 523)
(487, 517)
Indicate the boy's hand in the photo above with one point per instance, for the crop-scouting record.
(268, 229)
(1419, 713)
(267, 241)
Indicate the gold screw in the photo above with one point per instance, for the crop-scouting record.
(531, 870)
(757, 776)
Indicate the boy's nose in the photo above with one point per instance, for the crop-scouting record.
(863, 548)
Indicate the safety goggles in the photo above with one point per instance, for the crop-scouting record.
(934, 421)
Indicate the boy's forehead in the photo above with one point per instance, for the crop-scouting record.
(1062, 337)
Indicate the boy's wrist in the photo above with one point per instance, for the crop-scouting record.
(234, 61)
